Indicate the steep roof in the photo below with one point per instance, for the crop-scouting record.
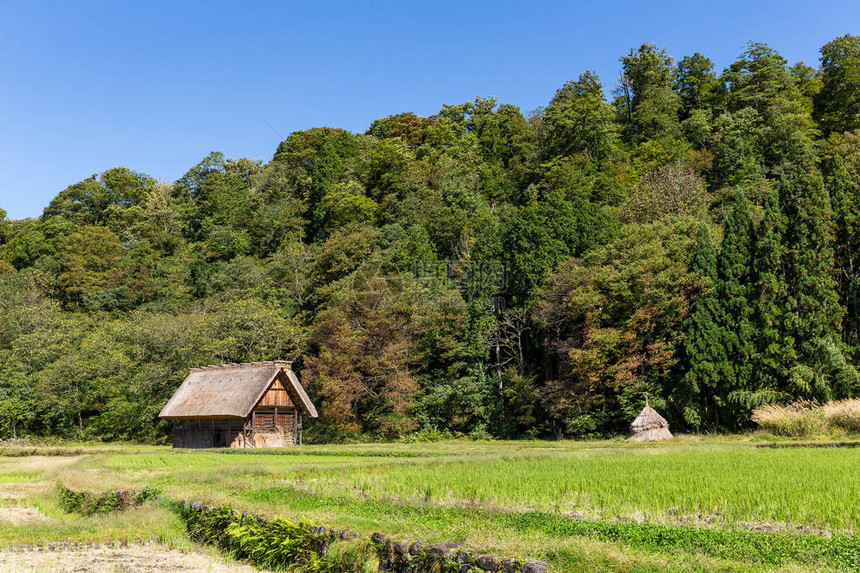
(232, 390)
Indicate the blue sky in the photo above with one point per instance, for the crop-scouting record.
(155, 86)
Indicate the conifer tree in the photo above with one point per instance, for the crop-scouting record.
(705, 357)
(734, 279)
(845, 197)
(774, 346)
(816, 311)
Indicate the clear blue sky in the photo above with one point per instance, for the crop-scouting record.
(155, 86)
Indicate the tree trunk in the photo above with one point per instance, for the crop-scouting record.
(852, 281)
(499, 367)
(78, 408)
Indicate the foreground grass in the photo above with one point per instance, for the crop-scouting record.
(688, 506)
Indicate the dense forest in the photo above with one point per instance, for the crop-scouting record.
(684, 234)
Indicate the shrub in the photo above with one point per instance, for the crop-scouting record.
(427, 435)
(88, 503)
(275, 545)
(799, 419)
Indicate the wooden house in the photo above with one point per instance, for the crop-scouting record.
(253, 405)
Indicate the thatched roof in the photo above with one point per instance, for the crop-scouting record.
(649, 426)
(232, 390)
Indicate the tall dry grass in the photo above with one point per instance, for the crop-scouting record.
(802, 418)
(844, 415)
(805, 418)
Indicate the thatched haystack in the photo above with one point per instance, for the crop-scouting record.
(649, 426)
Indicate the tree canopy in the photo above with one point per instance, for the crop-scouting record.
(481, 271)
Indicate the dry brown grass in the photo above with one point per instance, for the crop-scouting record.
(843, 415)
(802, 418)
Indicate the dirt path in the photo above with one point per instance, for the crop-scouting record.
(133, 559)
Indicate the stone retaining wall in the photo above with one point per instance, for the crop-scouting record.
(404, 555)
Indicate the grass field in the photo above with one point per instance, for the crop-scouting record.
(692, 505)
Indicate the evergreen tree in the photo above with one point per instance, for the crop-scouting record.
(774, 346)
(734, 279)
(705, 356)
(816, 312)
(845, 198)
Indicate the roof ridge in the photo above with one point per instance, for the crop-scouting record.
(287, 363)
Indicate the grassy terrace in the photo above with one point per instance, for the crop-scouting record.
(692, 505)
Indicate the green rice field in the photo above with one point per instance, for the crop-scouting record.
(691, 505)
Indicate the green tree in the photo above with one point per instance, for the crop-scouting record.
(3, 231)
(317, 159)
(89, 201)
(347, 203)
(735, 277)
(810, 259)
(538, 237)
(89, 257)
(758, 78)
(740, 160)
(81, 203)
(844, 190)
(696, 84)
(578, 119)
(17, 398)
(775, 346)
(37, 244)
(613, 320)
(705, 362)
(126, 188)
(837, 106)
(648, 104)
(408, 127)
(779, 114)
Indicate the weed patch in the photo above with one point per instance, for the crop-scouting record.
(87, 503)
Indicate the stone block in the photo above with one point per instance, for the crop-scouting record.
(488, 563)
(402, 547)
(443, 549)
(464, 558)
(534, 567)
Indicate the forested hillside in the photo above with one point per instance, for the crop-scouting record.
(677, 232)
